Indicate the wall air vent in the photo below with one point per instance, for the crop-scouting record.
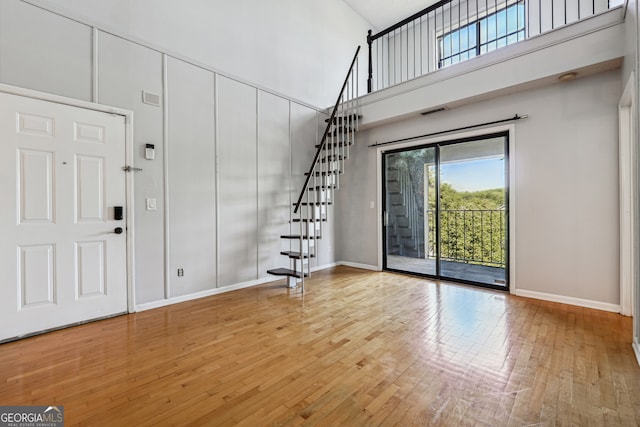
(436, 110)
(151, 98)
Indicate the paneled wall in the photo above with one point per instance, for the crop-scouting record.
(297, 48)
(238, 181)
(191, 177)
(230, 157)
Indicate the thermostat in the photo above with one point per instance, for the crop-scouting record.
(150, 151)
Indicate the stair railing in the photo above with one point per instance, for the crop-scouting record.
(341, 104)
(341, 125)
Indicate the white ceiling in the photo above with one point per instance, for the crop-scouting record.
(384, 13)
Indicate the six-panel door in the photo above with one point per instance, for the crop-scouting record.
(61, 261)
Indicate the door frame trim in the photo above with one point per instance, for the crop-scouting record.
(128, 143)
(511, 130)
(628, 175)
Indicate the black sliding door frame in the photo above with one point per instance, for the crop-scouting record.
(385, 208)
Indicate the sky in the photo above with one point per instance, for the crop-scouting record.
(474, 175)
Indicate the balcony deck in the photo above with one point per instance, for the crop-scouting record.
(450, 269)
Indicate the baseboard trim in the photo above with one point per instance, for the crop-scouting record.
(324, 266)
(204, 294)
(358, 265)
(615, 308)
(216, 291)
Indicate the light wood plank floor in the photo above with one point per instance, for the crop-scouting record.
(358, 349)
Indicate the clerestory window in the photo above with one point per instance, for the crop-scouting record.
(494, 30)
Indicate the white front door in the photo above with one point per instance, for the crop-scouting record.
(61, 177)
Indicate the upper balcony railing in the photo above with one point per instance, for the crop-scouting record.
(452, 31)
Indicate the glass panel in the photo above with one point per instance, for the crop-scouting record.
(409, 184)
(473, 221)
(458, 45)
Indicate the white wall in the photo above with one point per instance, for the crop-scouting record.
(229, 155)
(44, 51)
(124, 70)
(566, 185)
(301, 49)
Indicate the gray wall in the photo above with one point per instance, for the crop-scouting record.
(229, 155)
(566, 185)
(298, 48)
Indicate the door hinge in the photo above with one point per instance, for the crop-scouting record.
(386, 218)
(131, 169)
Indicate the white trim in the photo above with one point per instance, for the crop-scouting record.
(257, 158)
(324, 266)
(165, 183)
(628, 199)
(358, 265)
(598, 305)
(128, 142)
(204, 294)
(216, 138)
(636, 350)
(130, 178)
(512, 209)
(94, 65)
(511, 129)
(216, 291)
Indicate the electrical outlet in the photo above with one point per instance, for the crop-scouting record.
(180, 272)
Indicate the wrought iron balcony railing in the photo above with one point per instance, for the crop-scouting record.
(475, 236)
(453, 31)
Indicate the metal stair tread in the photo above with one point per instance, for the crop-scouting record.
(296, 255)
(342, 118)
(286, 272)
(325, 173)
(323, 187)
(337, 144)
(314, 203)
(297, 236)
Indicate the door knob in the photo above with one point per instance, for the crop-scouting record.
(118, 230)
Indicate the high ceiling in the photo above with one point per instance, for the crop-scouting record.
(384, 13)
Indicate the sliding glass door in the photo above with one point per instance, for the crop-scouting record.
(406, 194)
(445, 210)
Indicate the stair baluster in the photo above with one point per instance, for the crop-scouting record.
(318, 192)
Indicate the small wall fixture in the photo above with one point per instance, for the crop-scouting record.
(436, 110)
(567, 77)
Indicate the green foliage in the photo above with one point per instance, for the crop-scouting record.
(472, 225)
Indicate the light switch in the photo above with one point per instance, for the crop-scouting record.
(152, 204)
(372, 205)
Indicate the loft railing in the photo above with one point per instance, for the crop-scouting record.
(452, 31)
(471, 236)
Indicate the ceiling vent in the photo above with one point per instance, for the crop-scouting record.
(436, 110)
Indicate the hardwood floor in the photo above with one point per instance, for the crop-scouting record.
(358, 349)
